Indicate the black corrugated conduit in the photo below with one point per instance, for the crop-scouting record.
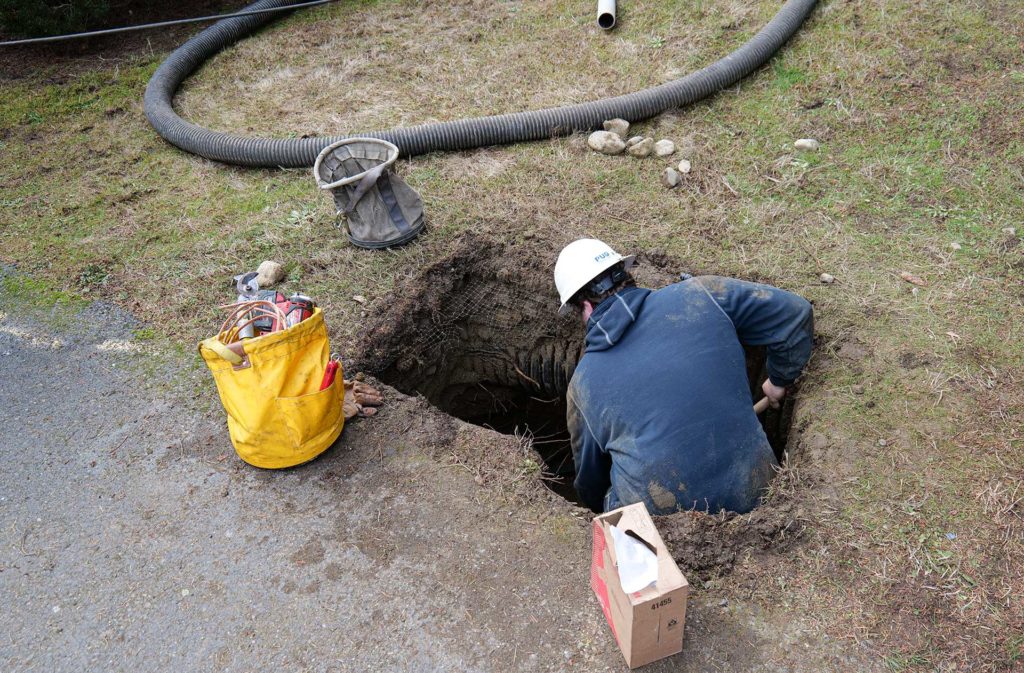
(461, 134)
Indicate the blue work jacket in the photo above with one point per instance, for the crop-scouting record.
(659, 407)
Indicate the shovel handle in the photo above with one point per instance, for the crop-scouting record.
(761, 405)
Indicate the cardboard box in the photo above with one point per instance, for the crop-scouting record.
(648, 624)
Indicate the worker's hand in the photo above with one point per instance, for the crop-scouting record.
(361, 399)
(774, 393)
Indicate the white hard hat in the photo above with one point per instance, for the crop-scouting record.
(581, 262)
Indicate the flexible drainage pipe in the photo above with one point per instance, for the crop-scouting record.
(454, 135)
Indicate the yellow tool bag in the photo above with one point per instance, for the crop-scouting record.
(277, 414)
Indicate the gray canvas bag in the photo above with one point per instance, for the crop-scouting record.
(381, 210)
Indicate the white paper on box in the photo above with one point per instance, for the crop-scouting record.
(638, 565)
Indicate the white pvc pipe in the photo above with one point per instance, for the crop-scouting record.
(606, 14)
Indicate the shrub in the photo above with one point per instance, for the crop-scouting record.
(35, 18)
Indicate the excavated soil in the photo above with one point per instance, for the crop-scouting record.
(709, 546)
(478, 336)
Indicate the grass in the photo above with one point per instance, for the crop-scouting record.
(916, 104)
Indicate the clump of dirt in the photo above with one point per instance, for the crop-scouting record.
(706, 546)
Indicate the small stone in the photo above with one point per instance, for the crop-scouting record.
(807, 144)
(185, 593)
(619, 127)
(530, 234)
(724, 603)
(633, 141)
(606, 142)
(827, 278)
(858, 389)
(269, 273)
(663, 148)
(911, 278)
(954, 245)
(1011, 231)
(685, 166)
(670, 178)
(641, 149)
(358, 298)
(882, 442)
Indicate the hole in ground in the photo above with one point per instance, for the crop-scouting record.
(515, 410)
(479, 338)
(776, 422)
(478, 335)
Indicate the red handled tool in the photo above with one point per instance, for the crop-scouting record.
(329, 374)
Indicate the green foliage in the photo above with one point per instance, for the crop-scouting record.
(35, 18)
(93, 274)
(1015, 650)
(144, 334)
(786, 76)
(897, 663)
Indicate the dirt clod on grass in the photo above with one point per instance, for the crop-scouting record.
(706, 546)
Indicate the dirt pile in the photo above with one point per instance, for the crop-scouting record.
(707, 546)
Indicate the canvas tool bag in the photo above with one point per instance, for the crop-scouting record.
(277, 414)
(380, 209)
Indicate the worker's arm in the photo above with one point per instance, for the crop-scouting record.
(593, 464)
(767, 316)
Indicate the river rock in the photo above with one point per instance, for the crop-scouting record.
(663, 148)
(807, 144)
(641, 149)
(670, 178)
(685, 166)
(633, 141)
(269, 274)
(606, 142)
(619, 127)
(827, 278)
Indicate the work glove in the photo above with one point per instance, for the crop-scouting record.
(361, 399)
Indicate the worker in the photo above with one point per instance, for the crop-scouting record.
(659, 407)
